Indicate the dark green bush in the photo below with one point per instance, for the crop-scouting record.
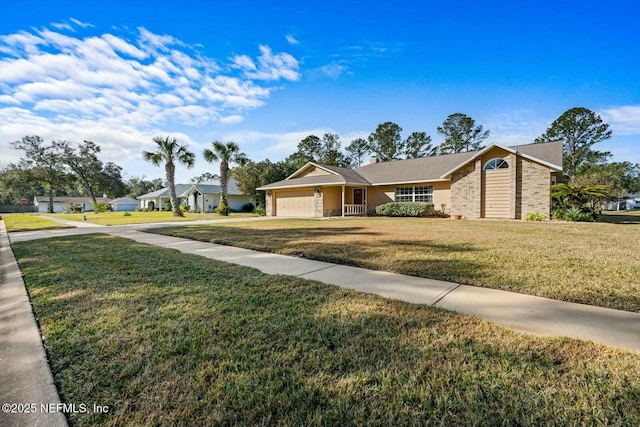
(166, 206)
(248, 207)
(405, 209)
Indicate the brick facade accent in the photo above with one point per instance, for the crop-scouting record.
(534, 182)
(466, 188)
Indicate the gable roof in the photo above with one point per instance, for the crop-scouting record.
(336, 176)
(69, 200)
(164, 192)
(423, 169)
(206, 187)
(544, 154)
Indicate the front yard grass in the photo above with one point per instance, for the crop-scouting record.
(165, 338)
(119, 218)
(29, 222)
(590, 263)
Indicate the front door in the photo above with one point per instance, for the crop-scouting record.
(358, 196)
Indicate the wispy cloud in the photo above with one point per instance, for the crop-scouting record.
(80, 23)
(623, 120)
(123, 87)
(292, 40)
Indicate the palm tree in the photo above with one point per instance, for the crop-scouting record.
(226, 154)
(169, 151)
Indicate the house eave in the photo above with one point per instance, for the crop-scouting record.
(553, 167)
(420, 181)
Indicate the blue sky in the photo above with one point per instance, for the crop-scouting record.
(267, 74)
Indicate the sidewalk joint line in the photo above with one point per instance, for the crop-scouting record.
(315, 271)
(445, 294)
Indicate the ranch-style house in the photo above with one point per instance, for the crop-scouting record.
(495, 182)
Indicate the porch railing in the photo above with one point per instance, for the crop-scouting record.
(355, 210)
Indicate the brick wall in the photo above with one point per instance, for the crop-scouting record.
(465, 191)
(534, 182)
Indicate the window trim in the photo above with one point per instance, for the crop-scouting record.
(496, 163)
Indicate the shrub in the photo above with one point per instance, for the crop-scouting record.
(166, 206)
(248, 207)
(151, 205)
(223, 209)
(185, 208)
(573, 214)
(127, 214)
(415, 209)
(100, 207)
(260, 211)
(535, 217)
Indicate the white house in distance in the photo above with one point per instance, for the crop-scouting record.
(124, 204)
(202, 197)
(63, 203)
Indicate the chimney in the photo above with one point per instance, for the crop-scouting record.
(374, 159)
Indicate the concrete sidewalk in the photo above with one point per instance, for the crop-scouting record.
(25, 377)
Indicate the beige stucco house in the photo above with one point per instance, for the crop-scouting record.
(495, 182)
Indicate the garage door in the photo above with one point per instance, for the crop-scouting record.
(497, 193)
(294, 203)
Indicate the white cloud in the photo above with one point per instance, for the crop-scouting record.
(62, 26)
(80, 23)
(274, 66)
(623, 120)
(333, 70)
(292, 40)
(118, 89)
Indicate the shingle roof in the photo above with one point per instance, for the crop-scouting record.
(422, 169)
(550, 152)
(164, 192)
(68, 199)
(127, 200)
(214, 187)
(207, 187)
(412, 170)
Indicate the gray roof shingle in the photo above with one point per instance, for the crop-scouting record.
(422, 169)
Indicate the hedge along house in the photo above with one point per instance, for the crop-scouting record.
(495, 182)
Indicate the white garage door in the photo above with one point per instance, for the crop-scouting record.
(294, 203)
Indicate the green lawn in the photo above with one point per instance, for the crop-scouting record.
(30, 222)
(165, 338)
(119, 218)
(591, 263)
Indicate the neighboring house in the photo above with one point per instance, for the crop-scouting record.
(495, 182)
(156, 199)
(124, 204)
(202, 197)
(64, 203)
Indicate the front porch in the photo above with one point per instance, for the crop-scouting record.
(353, 201)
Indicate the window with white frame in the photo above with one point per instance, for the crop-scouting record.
(422, 193)
(496, 163)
